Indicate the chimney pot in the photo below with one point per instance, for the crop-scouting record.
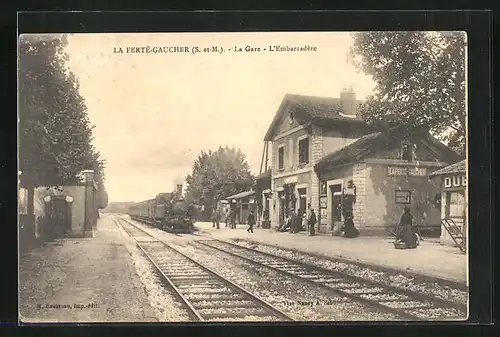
(348, 101)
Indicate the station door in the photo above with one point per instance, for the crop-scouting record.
(59, 215)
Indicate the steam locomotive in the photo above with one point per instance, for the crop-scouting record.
(168, 211)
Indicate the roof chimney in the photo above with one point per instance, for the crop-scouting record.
(348, 101)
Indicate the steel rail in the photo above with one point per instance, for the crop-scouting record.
(401, 312)
(193, 312)
(272, 310)
(408, 292)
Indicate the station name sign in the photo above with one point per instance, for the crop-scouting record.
(407, 171)
(455, 181)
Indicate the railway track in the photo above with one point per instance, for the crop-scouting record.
(206, 295)
(405, 304)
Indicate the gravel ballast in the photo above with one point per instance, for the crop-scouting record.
(298, 300)
(393, 279)
(166, 307)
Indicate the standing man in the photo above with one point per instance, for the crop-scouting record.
(251, 222)
(312, 222)
(217, 217)
(293, 222)
(213, 217)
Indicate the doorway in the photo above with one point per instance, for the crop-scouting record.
(303, 199)
(336, 203)
(59, 216)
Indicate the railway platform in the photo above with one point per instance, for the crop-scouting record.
(83, 280)
(430, 259)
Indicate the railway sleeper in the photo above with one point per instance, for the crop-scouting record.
(197, 283)
(233, 312)
(213, 297)
(224, 304)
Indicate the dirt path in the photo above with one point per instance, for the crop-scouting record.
(83, 280)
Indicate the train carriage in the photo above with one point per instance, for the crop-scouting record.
(168, 211)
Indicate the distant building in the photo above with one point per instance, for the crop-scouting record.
(319, 144)
(242, 203)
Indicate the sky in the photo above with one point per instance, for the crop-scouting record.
(155, 112)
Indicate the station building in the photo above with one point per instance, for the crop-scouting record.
(390, 170)
(454, 199)
(68, 210)
(318, 144)
(242, 203)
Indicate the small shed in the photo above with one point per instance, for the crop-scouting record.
(242, 203)
(454, 205)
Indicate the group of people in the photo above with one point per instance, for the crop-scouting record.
(406, 237)
(217, 216)
(294, 222)
(231, 219)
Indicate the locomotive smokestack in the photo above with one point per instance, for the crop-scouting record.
(179, 189)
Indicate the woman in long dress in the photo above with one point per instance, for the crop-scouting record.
(350, 230)
(406, 234)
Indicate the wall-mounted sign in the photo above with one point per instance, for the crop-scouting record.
(290, 180)
(323, 188)
(406, 171)
(322, 202)
(403, 197)
(323, 213)
(455, 181)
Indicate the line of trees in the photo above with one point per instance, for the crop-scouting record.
(55, 134)
(420, 81)
(217, 175)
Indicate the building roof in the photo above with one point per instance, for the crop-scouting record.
(241, 195)
(351, 152)
(366, 145)
(318, 110)
(459, 167)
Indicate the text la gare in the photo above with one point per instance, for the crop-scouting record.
(247, 48)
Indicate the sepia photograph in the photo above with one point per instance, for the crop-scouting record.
(160, 176)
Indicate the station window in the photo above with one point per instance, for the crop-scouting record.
(304, 151)
(281, 157)
(455, 204)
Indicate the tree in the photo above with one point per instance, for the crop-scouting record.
(217, 175)
(420, 81)
(55, 135)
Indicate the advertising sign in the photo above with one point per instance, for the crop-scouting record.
(403, 197)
